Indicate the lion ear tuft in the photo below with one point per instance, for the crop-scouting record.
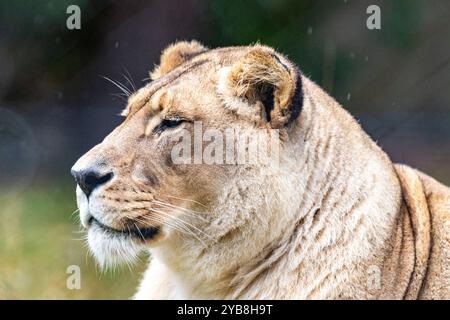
(266, 76)
(174, 55)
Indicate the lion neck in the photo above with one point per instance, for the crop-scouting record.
(325, 215)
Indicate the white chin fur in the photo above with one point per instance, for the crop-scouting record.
(111, 250)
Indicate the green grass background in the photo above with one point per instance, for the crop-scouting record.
(38, 241)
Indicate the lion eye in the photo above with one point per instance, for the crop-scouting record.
(167, 124)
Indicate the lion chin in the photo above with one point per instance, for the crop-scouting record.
(111, 250)
(112, 247)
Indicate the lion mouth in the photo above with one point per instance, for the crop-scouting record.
(135, 232)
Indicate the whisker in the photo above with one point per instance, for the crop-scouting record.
(120, 96)
(173, 205)
(184, 222)
(78, 239)
(187, 231)
(180, 223)
(177, 225)
(129, 79)
(192, 213)
(190, 200)
(166, 223)
(163, 221)
(74, 216)
(139, 230)
(122, 87)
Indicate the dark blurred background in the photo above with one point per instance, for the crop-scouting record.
(55, 105)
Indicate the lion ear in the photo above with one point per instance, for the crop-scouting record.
(174, 55)
(265, 76)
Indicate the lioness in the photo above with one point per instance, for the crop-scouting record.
(334, 219)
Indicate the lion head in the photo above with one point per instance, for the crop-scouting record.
(171, 172)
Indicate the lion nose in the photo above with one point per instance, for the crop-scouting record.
(89, 179)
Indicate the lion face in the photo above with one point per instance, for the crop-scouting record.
(148, 181)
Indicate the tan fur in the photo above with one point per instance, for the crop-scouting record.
(335, 220)
(418, 267)
(260, 66)
(176, 54)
